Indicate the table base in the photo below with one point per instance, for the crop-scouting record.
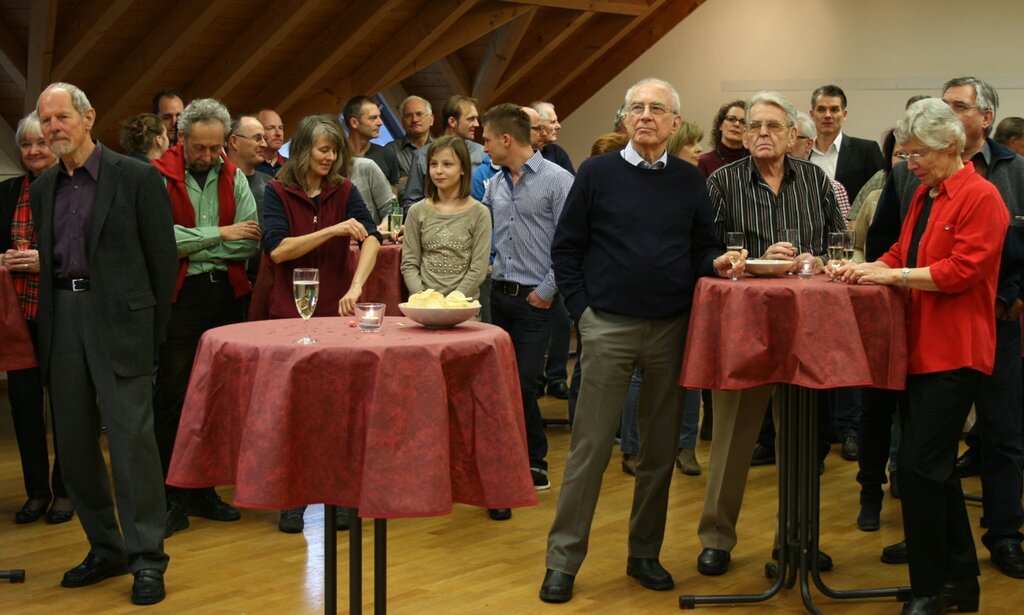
(799, 515)
(355, 563)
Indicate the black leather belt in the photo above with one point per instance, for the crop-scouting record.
(214, 277)
(512, 289)
(77, 285)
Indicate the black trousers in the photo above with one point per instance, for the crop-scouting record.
(939, 541)
(202, 304)
(874, 441)
(25, 392)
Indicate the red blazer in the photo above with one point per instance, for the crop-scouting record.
(955, 327)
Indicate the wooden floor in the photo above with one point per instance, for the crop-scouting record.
(466, 563)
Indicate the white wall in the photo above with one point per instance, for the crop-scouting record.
(879, 51)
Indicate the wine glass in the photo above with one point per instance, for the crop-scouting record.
(835, 252)
(306, 288)
(734, 243)
(792, 235)
(848, 244)
(395, 225)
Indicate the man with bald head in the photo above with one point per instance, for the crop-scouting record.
(629, 291)
(273, 129)
(417, 117)
(107, 267)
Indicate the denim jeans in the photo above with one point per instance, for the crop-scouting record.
(628, 430)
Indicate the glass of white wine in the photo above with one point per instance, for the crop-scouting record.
(848, 244)
(734, 243)
(306, 287)
(395, 225)
(835, 252)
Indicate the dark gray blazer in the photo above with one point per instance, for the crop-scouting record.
(859, 160)
(133, 261)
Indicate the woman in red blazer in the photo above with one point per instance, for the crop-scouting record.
(947, 257)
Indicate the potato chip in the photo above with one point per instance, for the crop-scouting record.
(430, 298)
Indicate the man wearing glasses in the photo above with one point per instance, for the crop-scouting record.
(759, 196)
(244, 147)
(628, 286)
(417, 118)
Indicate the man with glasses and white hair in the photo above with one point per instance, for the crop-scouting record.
(995, 441)
(417, 117)
(628, 285)
(759, 196)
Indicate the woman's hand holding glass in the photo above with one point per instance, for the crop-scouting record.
(866, 273)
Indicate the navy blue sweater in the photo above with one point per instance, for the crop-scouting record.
(633, 241)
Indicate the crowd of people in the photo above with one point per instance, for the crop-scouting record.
(121, 262)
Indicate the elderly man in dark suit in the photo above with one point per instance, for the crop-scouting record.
(107, 270)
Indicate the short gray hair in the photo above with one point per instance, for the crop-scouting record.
(805, 126)
(985, 96)
(204, 110)
(933, 123)
(27, 125)
(650, 81)
(78, 98)
(767, 97)
(543, 109)
(409, 99)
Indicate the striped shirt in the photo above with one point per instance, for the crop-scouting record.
(744, 202)
(525, 216)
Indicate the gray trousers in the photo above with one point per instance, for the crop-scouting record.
(614, 345)
(81, 377)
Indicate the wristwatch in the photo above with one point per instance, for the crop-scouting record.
(905, 272)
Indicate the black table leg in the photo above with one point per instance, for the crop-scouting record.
(355, 563)
(380, 566)
(330, 560)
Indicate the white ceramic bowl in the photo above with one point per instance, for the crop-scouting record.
(767, 268)
(438, 318)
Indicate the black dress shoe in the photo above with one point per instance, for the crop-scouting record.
(894, 485)
(291, 521)
(895, 554)
(650, 573)
(557, 586)
(964, 595)
(824, 560)
(925, 605)
(1010, 559)
(763, 456)
(148, 587)
(713, 562)
(968, 464)
(342, 518)
(93, 569)
(207, 504)
(850, 450)
(558, 390)
(499, 514)
(176, 518)
(56, 517)
(870, 517)
(28, 514)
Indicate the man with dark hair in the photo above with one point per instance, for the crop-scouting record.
(1010, 132)
(848, 160)
(525, 198)
(167, 104)
(273, 129)
(994, 444)
(215, 230)
(417, 117)
(629, 291)
(106, 274)
(460, 118)
(362, 119)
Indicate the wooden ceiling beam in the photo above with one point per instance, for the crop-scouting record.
(119, 94)
(619, 7)
(532, 57)
(455, 74)
(41, 27)
(499, 52)
(13, 58)
(254, 45)
(311, 65)
(81, 31)
(571, 84)
(383, 68)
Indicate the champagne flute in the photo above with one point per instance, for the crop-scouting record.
(835, 252)
(306, 288)
(734, 243)
(395, 225)
(792, 235)
(848, 244)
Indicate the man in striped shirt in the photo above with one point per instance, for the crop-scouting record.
(759, 196)
(525, 198)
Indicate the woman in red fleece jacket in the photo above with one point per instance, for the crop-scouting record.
(948, 257)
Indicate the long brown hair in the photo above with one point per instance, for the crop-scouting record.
(458, 147)
(293, 173)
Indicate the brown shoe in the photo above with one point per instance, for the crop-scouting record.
(686, 461)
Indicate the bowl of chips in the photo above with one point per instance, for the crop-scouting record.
(767, 267)
(436, 311)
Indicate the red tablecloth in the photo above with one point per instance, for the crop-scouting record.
(16, 350)
(397, 424)
(807, 332)
(384, 285)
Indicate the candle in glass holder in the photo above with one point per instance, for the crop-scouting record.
(369, 317)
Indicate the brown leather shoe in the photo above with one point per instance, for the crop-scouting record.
(686, 461)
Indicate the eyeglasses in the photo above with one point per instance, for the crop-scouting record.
(255, 138)
(418, 115)
(732, 119)
(771, 125)
(961, 107)
(908, 158)
(657, 109)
